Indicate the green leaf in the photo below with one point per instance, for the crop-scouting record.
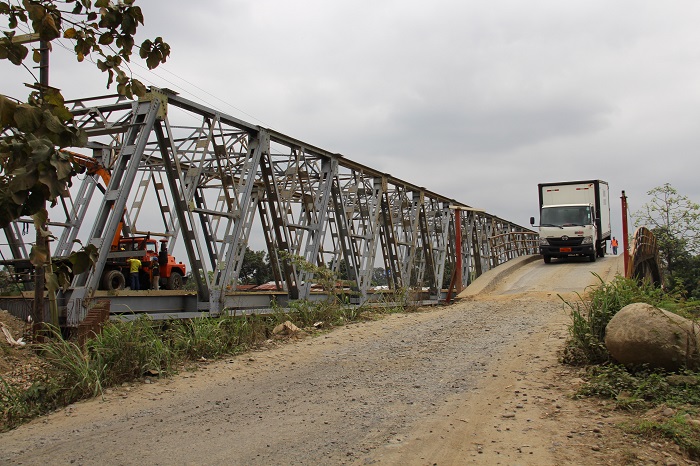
(49, 179)
(138, 88)
(52, 123)
(128, 24)
(27, 118)
(19, 197)
(62, 113)
(22, 180)
(64, 169)
(35, 201)
(83, 259)
(80, 138)
(16, 53)
(51, 282)
(41, 149)
(39, 256)
(145, 48)
(106, 38)
(7, 111)
(40, 218)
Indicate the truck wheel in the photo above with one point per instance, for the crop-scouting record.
(592, 257)
(175, 281)
(547, 259)
(113, 280)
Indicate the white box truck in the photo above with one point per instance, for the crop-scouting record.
(574, 219)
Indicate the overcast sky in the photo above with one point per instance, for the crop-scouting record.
(475, 100)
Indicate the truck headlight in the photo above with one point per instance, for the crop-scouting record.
(587, 240)
(544, 242)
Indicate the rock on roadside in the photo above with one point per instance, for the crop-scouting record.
(643, 334)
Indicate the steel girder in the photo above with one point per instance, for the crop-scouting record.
(218, 184)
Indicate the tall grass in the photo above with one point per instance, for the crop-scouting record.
(210, 337)
(125, 351)
(74, 373)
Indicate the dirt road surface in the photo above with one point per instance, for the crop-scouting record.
(476, 382)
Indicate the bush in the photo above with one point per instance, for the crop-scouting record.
(591, 314)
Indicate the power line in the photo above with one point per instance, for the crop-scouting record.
(181, 88)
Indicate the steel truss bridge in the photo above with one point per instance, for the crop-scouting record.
(209, 182)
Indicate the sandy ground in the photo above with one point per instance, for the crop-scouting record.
(476, 382)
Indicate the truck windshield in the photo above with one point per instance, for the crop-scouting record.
(566, 216)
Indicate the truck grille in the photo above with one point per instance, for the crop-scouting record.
(564, 243)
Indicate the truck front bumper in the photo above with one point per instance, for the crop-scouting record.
(565, 251)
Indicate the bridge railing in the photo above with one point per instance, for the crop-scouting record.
(511, 245)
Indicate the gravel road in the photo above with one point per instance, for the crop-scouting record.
(422, 388)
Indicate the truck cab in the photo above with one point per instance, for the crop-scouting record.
(568, 230)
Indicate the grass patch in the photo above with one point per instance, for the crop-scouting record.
(678, 429)
(643, 389)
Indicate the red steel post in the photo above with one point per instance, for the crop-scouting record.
(625, 240)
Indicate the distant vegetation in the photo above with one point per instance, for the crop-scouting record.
(675, 221)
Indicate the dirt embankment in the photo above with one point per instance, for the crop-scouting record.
(473, 383)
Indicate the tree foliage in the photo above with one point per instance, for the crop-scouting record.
(675, 221)
(32, 168)
(256, 268)
(103, 28)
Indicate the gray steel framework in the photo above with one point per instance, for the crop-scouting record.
(208, 186)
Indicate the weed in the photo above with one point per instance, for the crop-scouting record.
(72, 368)
(204, 337)
(592, 312)
(18, 406)
(677, 429)
(643, 388)
(127, 350)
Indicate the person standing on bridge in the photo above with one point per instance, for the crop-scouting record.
(613, 243)
(134, 266)
(155, 274)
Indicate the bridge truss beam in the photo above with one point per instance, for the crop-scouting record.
(209, 181)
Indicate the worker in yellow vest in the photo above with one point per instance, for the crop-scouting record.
(134, 266)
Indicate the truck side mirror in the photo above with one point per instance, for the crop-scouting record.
(532, 221)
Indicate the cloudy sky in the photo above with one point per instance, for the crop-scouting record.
(476, 100)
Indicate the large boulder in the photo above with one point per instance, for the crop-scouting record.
(644, 334)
